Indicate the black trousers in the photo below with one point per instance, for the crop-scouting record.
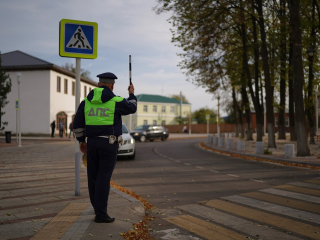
(52, 132)
(101, 160)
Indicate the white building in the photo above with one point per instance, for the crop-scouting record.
(47, 93)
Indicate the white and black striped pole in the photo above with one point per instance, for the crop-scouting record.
(130, 69)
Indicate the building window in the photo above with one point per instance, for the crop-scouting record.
(145, 122)
(66, 86)
(145, 108)
(73, 88)
(287, 122)
(163, 122)
(58, 84)
(163, 109)
(85, 91)
(154, 122)
(90, 89)
(154, 108)
(172, 109)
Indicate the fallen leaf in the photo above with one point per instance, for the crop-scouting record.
(110, 235)
(91, 235)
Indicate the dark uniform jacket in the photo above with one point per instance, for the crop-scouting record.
(125, 107)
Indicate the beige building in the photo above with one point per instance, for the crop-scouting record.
(156, 110)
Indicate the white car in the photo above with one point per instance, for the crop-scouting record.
(129, 146)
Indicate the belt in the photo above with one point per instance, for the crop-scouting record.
(104, 136)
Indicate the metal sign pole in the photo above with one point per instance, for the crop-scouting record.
(77, 149)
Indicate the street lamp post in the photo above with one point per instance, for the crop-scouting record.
(19, 107)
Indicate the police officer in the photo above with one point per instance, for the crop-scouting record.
(99, 119)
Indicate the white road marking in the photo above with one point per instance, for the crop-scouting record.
(259, 181)
(232, 175)
(188, 164)
(288, 194)
(214, 171)
(287, 211)
(199, 167)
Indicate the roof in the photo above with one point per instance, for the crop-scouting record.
(157, 98)
(20, 61)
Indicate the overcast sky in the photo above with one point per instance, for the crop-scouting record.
(124, 28)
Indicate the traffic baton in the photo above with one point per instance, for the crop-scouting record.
(130, 70)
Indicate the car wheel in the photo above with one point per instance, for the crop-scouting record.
(133, 156)
(163, 138)
(142, 138)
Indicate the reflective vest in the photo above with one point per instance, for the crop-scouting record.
(98, 113)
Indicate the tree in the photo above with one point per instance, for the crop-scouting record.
(177, 96)
(5, 88)
(200, 115)
(71, 68)
(298, 79)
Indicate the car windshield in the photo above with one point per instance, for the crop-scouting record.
(124, 129)
(142, 127)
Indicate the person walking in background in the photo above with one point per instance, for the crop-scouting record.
(99, 119)
(71, 129)
(53, 127)
(61, 128)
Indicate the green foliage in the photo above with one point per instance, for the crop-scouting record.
(177, 96)
(200, 115)
(5, 88)
(267, 152)
(71, 68)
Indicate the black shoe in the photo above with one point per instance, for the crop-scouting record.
(106, 219)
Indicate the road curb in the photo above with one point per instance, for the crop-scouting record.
(262, 157)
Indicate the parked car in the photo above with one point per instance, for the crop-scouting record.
(129, 147)
(149, 132)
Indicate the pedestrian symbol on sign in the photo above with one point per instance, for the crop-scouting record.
(79, 40)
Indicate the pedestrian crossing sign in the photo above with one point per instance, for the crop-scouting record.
(78, 39)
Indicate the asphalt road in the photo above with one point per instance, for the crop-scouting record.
(185, 182)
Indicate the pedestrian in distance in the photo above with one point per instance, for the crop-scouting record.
(61, 128)
(53, 127)
(98, 120)
(71, 129)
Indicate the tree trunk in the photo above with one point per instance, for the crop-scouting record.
(292, 125)
(283, 47)
(302, 142)
(259, 110)
(240, 111)
(310, 102)
(235, 112)
(268, 84)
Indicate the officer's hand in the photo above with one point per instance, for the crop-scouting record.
(131, 89)
(83, 147)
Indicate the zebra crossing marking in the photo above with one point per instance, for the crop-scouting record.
(307, 185)
(204, 229)
(240, 225)
(306, 191)
(289, 202)
(299, 196)
(270, 207)
(267, 218)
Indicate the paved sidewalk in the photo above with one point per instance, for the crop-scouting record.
(38, 200)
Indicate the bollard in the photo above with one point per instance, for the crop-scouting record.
(259, 147)
(221, 142)
(289, 150)
(215, 141)
(227, 135)
(209, 139)
(241, 146)
(229, 143)
(232, 134)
